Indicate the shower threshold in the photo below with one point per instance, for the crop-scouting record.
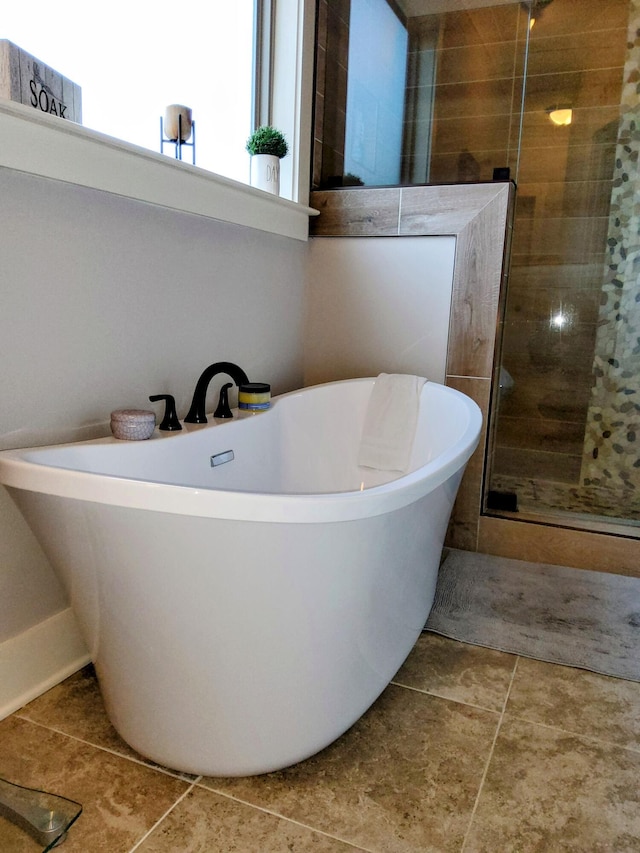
(594, 508)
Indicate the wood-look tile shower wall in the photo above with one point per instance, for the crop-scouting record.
(476, 96)
(330, 108)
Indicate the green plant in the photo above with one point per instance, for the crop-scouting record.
(351, 180)
(267, 140)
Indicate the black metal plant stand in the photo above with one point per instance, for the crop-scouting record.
(179, 144)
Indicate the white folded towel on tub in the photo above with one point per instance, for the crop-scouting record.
(390, 422)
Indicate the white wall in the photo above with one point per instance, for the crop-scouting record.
(378, 305)
(106, 301)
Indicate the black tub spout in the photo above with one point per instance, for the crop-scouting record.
(196, 414)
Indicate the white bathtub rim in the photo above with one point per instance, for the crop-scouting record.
(228, 505)
(18, 472)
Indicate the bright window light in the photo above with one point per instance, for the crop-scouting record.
(132, 59)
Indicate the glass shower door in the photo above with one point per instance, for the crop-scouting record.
(566, 421)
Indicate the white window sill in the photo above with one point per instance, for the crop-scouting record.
(51, 147)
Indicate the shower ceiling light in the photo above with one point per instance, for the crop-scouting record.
(560, 116)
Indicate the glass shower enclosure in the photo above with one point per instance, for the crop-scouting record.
(567, 411)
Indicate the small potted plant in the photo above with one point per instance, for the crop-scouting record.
(267, 146)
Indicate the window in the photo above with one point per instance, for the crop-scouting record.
(134, 58)
(376, 82)
(46, 146)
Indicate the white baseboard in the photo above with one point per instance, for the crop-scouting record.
(38, 659)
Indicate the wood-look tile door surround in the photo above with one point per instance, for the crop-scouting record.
(480, 217)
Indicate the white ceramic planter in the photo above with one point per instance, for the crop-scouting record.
(265, 172)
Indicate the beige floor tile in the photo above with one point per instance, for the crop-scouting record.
(121, 799)
(403, 779)
(15, 840)
(205, 822)
(458, 671)
(75, 707)
(577, 701)
(549, 791)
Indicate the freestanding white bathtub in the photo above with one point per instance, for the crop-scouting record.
(241, 617)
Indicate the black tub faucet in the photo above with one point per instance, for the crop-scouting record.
(196, 414)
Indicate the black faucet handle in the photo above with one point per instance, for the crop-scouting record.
(170, 421)
(223, 410)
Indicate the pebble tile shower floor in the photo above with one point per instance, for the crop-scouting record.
(468, 750)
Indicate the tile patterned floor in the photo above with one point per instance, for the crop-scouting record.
(469, 750)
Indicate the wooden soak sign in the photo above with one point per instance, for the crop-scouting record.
(25, 79)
